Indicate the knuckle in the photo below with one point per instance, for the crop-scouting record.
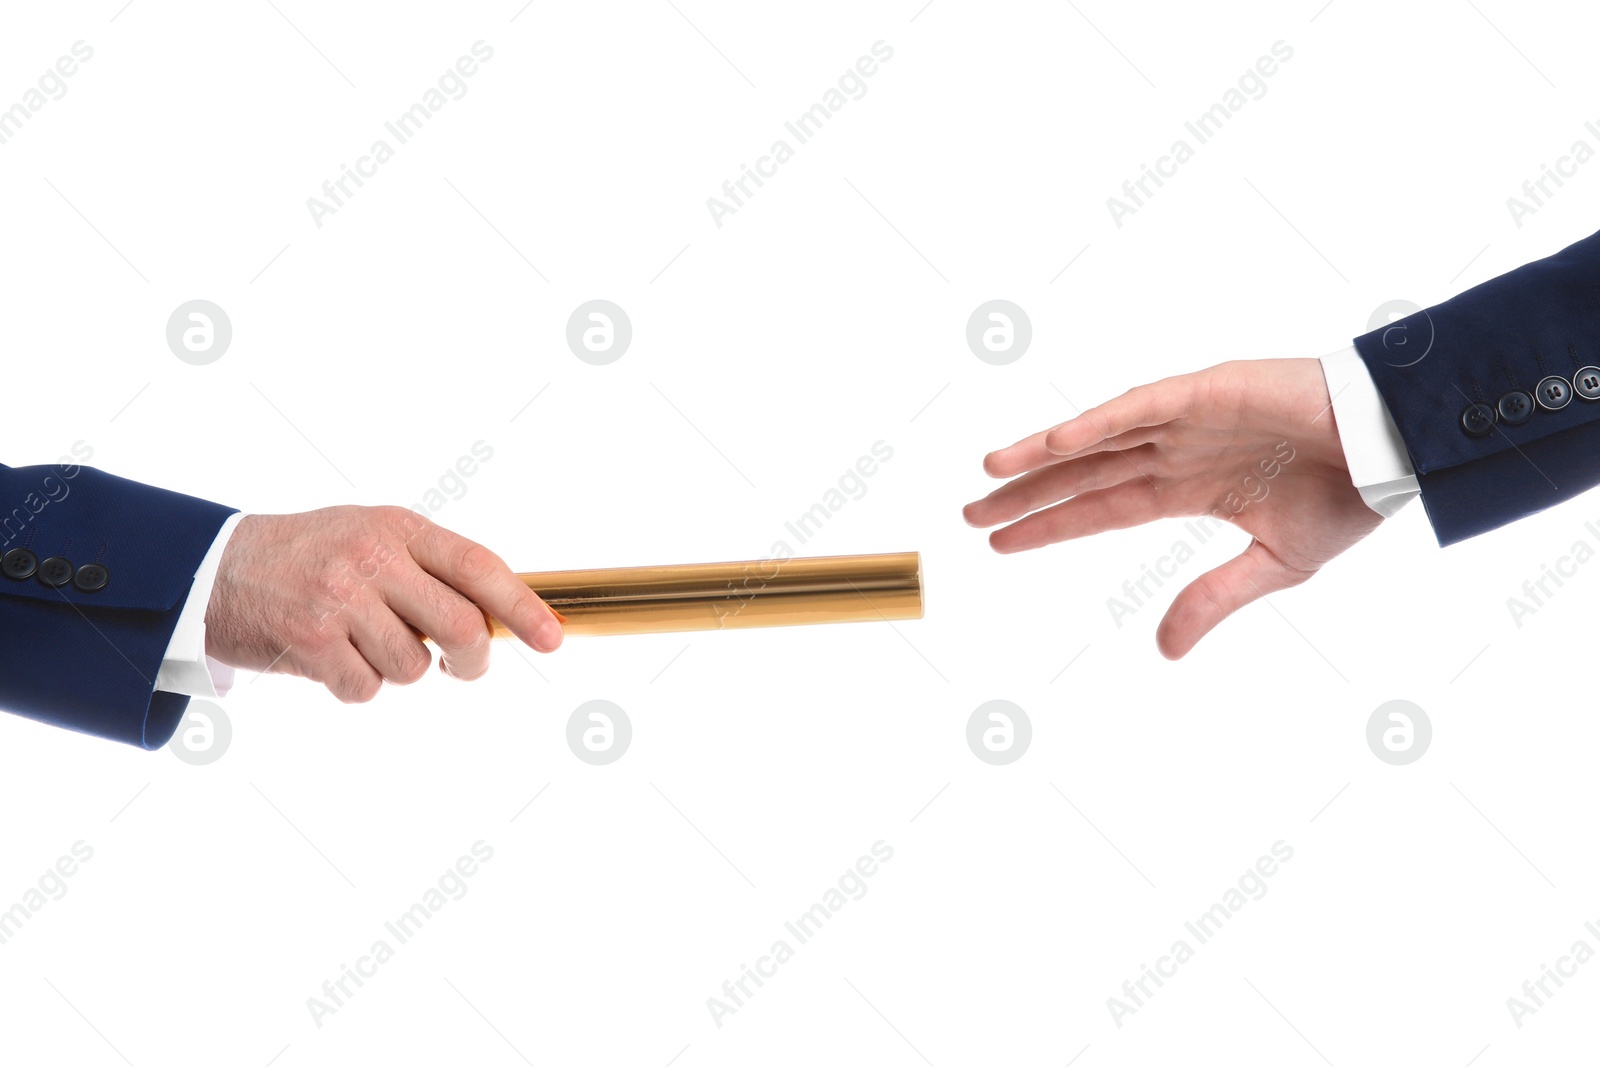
(354, 687)
(345, 674)
(475, 667)
(461, 626)
(318, 636)
(333, 586)
(526, 607)
(407, 523)
(525, 612)
(411, 672)
(367, 544)
(473, 562)
(410, 659)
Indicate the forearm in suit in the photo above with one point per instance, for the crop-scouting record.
(1496, 392)
(94, 570)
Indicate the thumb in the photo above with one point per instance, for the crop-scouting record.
(1220, 592)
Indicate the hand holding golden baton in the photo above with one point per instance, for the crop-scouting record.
(717, 596)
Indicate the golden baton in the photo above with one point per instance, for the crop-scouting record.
(724, 596)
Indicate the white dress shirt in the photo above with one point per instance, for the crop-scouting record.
(186, 669)
(1373, 451)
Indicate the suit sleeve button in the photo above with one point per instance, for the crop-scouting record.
(1478, 419)
(19, 563)
(1553, 393)
(55, 571)
(1587, 383)
(1516, 407)
(91, 577)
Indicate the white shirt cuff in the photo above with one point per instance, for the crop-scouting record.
(1379, 466)
(186, 669)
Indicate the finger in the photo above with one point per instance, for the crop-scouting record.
(1033, 453)
(1220, 592)
(449, 619)
(1122, 442)
(483, 578)
(1129, 504)
(391, 647)
(1151, 405)
(1027, 454)
(347, 674)
(1146, 405)
(1048, 485)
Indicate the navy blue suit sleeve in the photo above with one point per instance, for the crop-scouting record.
(81, 657)
(1505, 339)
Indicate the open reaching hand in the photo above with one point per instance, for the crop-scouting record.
(1251, 442)
(341, 595)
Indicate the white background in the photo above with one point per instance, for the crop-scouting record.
(827, 314)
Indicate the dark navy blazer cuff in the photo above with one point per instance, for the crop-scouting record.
(94, 571)
(1496, 392)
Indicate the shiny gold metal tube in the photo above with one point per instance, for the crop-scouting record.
(719, 596)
